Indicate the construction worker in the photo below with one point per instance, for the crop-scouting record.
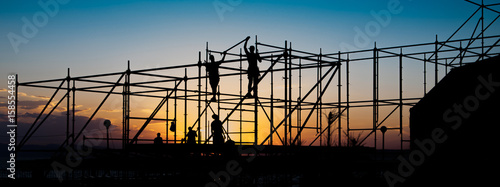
(213, 74)
(191, 136)
(217, 131)
(253, 69)
(158, 140)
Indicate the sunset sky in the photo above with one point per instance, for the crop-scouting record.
(42, 39)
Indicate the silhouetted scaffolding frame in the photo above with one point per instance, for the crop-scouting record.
(287, 130)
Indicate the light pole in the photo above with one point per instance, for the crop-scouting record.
(107, 123)
(383, 129)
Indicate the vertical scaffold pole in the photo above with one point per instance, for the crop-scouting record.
(73, 115)
(347, 101)
(124, 120)
(166, 121)
(272, 104)
(256, 97)
(67, 105)
(126, 106)
(436, 61)
(241, 95)
(318, 114)
(299, 108)
(185, 101)
(290, 91)
(199, 97)
(339, 99)
(320, 89)
(401, 97)
(285, 97)
(128, 102)
(375, 94)
(175, 114)
(425, 74)
(206, 91)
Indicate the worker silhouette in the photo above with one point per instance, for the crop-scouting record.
(217, 130)
(191, 136)
(172, 126)
(253, 69)
(158, 140)
(213, 73)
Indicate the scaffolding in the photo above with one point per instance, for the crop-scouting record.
(290, 107)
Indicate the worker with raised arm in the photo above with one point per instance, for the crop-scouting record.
(213, 74)
(253, 69)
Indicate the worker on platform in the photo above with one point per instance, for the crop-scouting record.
(191, 136)
(213, 74)
(217, 131)
(253, 69)
(158, 140)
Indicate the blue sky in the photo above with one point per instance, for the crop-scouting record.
(85, 35)
(93, 37)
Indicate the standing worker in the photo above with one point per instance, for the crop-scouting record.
(213, 74)
(191, 136)
(217, 131)
(158, 140)
(253, 69)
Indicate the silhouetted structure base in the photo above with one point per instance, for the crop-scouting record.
(197, 165)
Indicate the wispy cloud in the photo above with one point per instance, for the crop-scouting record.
(26, 96)
(23, 95)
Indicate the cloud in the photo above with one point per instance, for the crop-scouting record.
(28, 96)
(26, 102)
(28, 105)
(114, 110)
(23, 95)
(53, 130)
